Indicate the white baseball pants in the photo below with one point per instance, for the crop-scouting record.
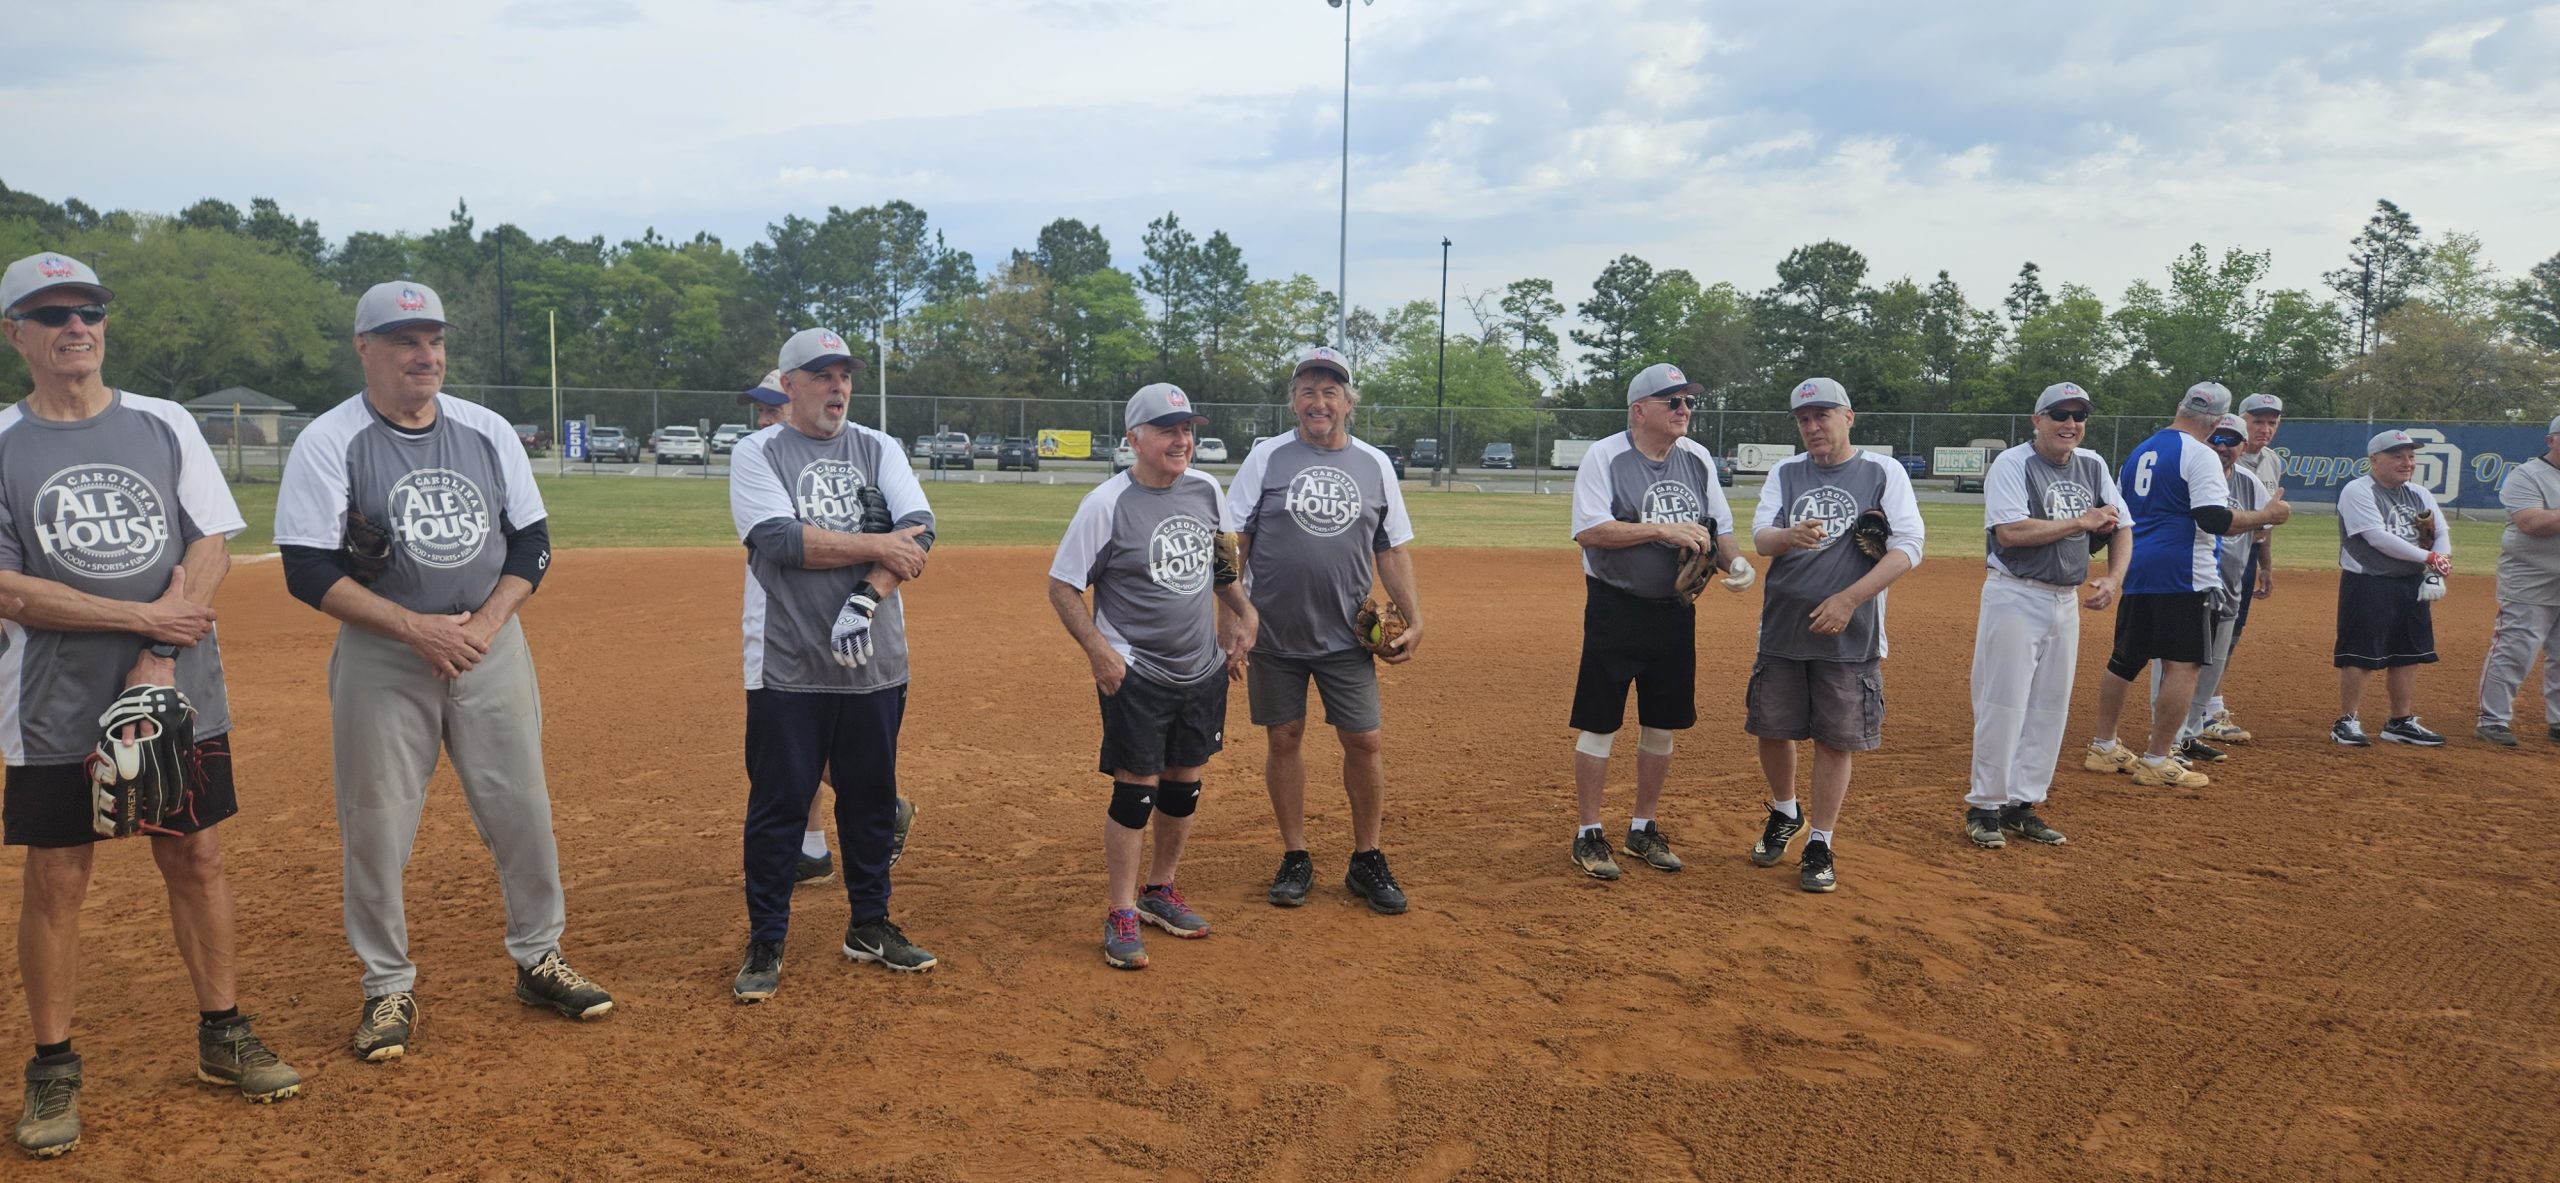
(2026, 649)
(2522, 631)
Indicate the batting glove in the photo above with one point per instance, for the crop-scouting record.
(851, 641)
(1741, 576)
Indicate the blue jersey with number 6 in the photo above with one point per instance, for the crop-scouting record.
(2165, 481)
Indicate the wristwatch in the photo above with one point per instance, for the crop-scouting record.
(163, 649)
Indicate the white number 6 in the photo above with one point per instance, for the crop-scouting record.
(2142, 474)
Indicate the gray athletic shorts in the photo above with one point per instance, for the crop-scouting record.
(1838, 704)
(1276, 688)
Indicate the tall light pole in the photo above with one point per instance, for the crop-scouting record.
(1342, 259)
(1440, 386)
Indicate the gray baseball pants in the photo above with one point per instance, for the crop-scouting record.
(390, 716)
(2522, 631)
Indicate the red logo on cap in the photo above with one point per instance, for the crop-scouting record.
(1674, 374)
(1807, 388)
(830, 341)
(1176, 398)
(410, 300)
(53, 267)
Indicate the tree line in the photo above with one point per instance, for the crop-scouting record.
(2412, 326)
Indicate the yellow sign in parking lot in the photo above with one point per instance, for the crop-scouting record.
(1065, 445)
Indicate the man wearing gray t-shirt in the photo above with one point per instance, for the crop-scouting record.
(1315, 510)
(2528, 595)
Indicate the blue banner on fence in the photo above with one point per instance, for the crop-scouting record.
(2462, 465)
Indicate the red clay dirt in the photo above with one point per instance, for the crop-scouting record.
(2333, 964)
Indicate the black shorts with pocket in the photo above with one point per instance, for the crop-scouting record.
(50, 805)
(2161, 626)
(1627, 638)
(2382, 624)
(1149, 726)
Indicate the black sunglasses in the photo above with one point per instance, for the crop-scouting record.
(2059, 415)
(54, 316)
(1679, 402)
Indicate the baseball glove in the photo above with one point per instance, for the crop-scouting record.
(1379, 625)
(368, 549)
(1695, 571)
(1225, 560)
(1872, 531)
(144, 774)
(875, 510)
(2426, 526)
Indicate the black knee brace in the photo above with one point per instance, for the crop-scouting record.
(1180, 797)
(1130, 804)
(2124, 670)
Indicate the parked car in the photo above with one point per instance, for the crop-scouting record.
(658, 435)
(535, 437)
(724, 439)
(1498, 455)
(1914, 465)
(951, 450)
(612, 443)
(1725, 470)
(1018, 452)
(1209, 450)
(923, 447)
(1103, 446)
(1426, 453)
(682, 445)
(1396, 456)
(984, 447)
(1990, 449)
(1123, 458)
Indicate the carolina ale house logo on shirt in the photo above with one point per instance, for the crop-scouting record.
(1671, 501)
(1829, 505)
(1323, 500)
(101, 520)
(2068, 499)
(1178, 554)
(439, 517)
(826, 495)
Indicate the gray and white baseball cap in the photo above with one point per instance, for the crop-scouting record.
(2233, 424)
(2261, 402)
(2064, 392)
(768, 392)
(2389, 441)
(1323, 357)
(398, 304)
(812, 349)
(1818, 392)
(1160, 405)
(43, 272)
(2208, 400)
(2555, 426)
(1658, 379)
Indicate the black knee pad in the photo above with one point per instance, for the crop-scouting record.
(1179, 798)
(2123, 669)
(1130, 804)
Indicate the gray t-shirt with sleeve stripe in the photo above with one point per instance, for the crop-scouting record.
(1147, 555)
(1317, 518)
(781, 480)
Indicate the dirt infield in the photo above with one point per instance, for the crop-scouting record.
(2333, 964)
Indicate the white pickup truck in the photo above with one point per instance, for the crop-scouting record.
(1567, 453)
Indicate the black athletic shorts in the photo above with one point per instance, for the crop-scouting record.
(1148, 726)
(2382, 623)
(2161, 626)
(49, 804)
(1652, 643)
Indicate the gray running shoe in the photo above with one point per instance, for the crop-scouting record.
(1370, 879)
(898, 830)
(1815, 872)
(1163, 906)
(761, 975)
(1983, 826)
(1649, 845)
(228, 1053)
(553, 984)
(1774, 837)
(1121, 948)
(2496, 733)
(1296, 876)
(1591, 853)
(881, 941)
(2020, 819)
(382, 1030)
(50, 1127)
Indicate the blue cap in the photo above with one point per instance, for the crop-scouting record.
(768, 392)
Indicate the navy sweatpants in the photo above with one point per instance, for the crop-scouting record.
(791, 736)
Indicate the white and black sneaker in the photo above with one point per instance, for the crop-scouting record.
(880, 941)
(1774, 836)
(1814, 870)
(2406, 729)
(2350, 732)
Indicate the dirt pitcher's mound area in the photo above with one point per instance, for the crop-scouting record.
(2333, 964)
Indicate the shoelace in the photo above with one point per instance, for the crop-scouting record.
(389, 1011)
(1379, 872)
(558, 971)
(1172, 895)
(1124, 926)
(53, 1097)
(247, 1050)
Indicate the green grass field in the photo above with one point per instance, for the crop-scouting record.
(625, 511)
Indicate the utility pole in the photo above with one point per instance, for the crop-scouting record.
(1440, 386)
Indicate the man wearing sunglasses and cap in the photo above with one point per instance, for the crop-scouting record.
(765, 400)
(1150, 542)
(2263, 415)
(2046, 504)
(410, 516)
(2230, 603)
(1643, 501)
(2394, 552)
(834, 522)
(2528, 595)
(114, 521)
(1317, 514)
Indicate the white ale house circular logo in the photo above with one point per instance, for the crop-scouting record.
(101, 520)
(1323, 500)
(1178, 554)
(439, 517)
(826, 496)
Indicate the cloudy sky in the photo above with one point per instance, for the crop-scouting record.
(1543, 136)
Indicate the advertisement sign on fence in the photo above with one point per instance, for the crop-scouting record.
(577, 444)
(2462, 465)
(1065, 445)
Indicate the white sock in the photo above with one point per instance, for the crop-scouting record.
(1635, 824)
(1821, 836)
(1585, 831)
(2103, 745)
(2155, 761)
(1787, 807)
(813, 844)
(2215, 707)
